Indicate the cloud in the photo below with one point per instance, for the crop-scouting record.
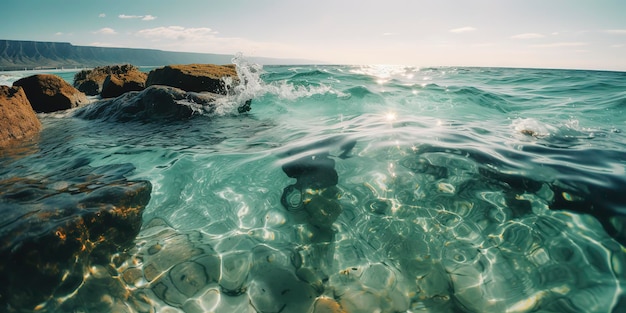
(178, 33)
(465, 29)
(561, 45)
(142, 17)
(102, 44)
(106, 31)
(102, 15)
(207, 40)
(527, 36)
(58, 34)
(616, 31)
(124, 16)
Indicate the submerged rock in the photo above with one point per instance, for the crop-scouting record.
(57, 229)
(327, 305)
(153, 103)
(194, 77)
(110, 81)
(17, 118)
(191, 271)
(50, 93)
(315, 192)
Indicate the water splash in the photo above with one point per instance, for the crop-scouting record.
(7, 79)
(252, 86)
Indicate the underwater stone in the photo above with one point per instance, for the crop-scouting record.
(278, 290)
(322, 212)
(374, 287)
(169, 268)
(54, 232)
(316, 172)
(327, 305)
(234, 273)
(315, 189)
(274, 286)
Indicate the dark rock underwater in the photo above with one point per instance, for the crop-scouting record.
(56, 228)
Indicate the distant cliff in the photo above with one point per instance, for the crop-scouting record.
(18, 55)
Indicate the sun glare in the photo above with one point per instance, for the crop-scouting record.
(391, 116)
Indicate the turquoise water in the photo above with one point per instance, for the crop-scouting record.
(457, 190)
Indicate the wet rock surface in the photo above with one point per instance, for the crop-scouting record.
(57, 229)
(153, 103)
(50, 93)
(194, 77)
(110, 81)
(114, 86)
(17, 118)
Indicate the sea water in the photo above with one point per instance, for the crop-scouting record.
(457, 190)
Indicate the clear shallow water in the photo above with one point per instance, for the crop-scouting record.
(466, 190)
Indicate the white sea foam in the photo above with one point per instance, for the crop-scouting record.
(569, 130)
(252, 87)
(7, 78)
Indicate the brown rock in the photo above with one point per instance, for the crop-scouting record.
(17, 118)
(50, 93)
(112, 87)
(92, 82)
(194, 77)
(57, 229)
(116, 85)
(327, 305)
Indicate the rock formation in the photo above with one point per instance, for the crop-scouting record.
(55, 230)
(110, 81)
(194, 77)
(114, 85)
(17, 118)
(153, 103)
(50, 93)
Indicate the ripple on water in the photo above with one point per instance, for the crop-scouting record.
(439, 212)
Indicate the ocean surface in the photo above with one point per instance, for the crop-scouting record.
(368, 189)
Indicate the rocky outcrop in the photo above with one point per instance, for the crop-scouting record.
(115, 86)
(56, 230)
(50, 93)
(194, 77)
(110, 81)
(17, 118)
(153, 103)
(90, 81)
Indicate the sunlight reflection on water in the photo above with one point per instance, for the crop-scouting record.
(444, 208)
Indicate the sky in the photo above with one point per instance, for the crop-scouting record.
(579, 34)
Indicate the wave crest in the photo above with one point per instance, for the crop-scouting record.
(252, 86)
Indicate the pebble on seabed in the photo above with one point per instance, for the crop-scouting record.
(327, 305)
